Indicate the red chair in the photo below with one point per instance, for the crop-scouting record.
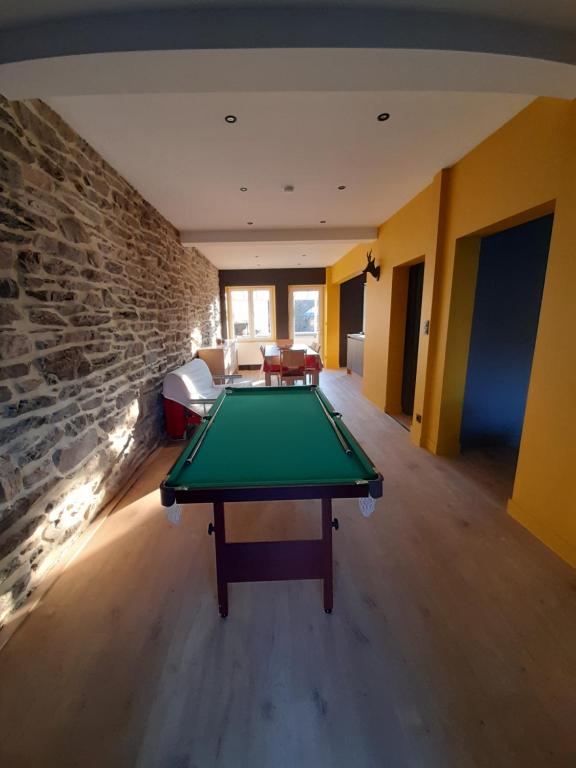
(270, 365)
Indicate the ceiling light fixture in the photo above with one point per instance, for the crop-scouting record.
(383, 116)
(233, 118)
(288, 188)
(322, 221)
(250, 223)
(342, 186)
(243, 189)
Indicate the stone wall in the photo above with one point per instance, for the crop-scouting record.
(98, 300)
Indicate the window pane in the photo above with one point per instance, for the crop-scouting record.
(306, 311)
(262, 313)
(240, 316)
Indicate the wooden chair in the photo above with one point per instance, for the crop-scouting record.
(311, 371)
(272, 364)
(292, 366)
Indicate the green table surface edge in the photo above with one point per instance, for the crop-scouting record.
(172, 480)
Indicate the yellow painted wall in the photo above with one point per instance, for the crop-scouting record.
(525, 169)
(516, 170)
(332, 315)
(349, 266)
(409, 236)
(544, 496)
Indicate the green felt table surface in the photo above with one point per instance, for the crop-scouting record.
(270, 436)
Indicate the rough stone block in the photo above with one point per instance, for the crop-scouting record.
(76, 426)
(13, 345)
(25, 406)
(11, 543)
(45, 317)
(38, 128)
(74, 231)
(59, 267)
(69, 410)
(23, 386)
(9, 314)
(9, 288)
(68, 458)
(89, 319)
(9, 372)
(65, 365)
(38, 474)
(33, 447)
(10, 480)
(13, 145)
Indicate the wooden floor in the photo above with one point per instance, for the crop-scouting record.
(452, 642)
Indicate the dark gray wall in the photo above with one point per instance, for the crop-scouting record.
(281, 279)
(351, 311)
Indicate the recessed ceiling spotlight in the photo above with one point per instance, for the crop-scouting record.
(233, 118)
(243, 189)
(342, 186)
(383, 116)
(288, 188)
(298, 264)
(303, 256)
(322, 221)
(250, 223)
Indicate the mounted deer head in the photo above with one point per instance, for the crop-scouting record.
(371, 266)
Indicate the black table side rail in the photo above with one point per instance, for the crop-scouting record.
(191, 495)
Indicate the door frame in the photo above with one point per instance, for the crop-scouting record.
(397, 334)
(322, 308)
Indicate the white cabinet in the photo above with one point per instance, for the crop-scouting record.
(222, 360)
(355, 353)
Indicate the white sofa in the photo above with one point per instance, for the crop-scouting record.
(192, 385)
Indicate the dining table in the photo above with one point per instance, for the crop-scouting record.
(271, 361)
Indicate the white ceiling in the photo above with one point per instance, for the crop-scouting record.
(273, 255)
(553, 13)
(179, 152)
(150, 90)
(280, 70)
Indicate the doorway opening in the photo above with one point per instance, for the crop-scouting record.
(351, 313)
(509, 287)
(405, 322)
(412, 338)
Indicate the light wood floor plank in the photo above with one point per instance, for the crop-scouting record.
(452, 643)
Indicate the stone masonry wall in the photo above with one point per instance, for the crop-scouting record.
(98, 299)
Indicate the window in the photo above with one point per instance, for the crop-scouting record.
(250, 312)
(306, 312)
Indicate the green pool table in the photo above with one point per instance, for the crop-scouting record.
(271, 443)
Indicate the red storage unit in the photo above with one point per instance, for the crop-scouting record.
(179, 419)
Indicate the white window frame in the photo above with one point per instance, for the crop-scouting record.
(230, 319)
(321, 319)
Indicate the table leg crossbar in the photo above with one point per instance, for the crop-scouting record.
(273, 560)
